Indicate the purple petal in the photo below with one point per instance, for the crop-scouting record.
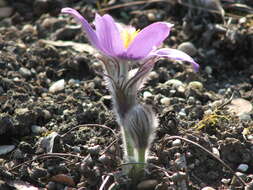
(86, 26)
(108, 35)
(176, 55)
(148, 39)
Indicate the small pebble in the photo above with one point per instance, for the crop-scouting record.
(172, 91)
(25, 72)
(146, 95)
(176, 142)
(153, 75)
(188, 48)
(207, 188)
(77, 149)
(196, 85)
(191, 100)
(151, 16)
(225, 181)
(216, 152)
(165, 101)
(147, 184)
(174, 83)
(243, 167)
(222, 91)
(57, 86)
(208, 70)
(182, 113)
(37, 129)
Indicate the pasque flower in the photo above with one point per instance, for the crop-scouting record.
(128, 56)
(126, 43)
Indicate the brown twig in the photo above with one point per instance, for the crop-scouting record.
(210, 153)
(48, 155)
(128, 4)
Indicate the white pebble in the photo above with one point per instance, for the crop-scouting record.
(207, 188)
(57, 86)
(165, 101)
(243, 167)
(182, 113)
(176, 142)
(216, 152)
(225, 181)
(146, 95)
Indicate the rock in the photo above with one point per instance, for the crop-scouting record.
(243, 167)
(188, 48)
(50, 143)
(153, 75)
(5, 149)
(182, 113)
(176, 142)
(165, 101)
(222, 91)
(207, 188)
(208, 70)
(196, 85)
(29, 29)
(151, 16)
(37, 129)
(191, 100)
(174, 83)
(147, 95)
(57, 86)
(149, 184)
(225, 181)
(216, 152)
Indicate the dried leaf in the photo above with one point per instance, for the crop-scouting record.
(62, 178)
(240, 106)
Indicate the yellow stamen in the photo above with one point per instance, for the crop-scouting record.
(128, 36)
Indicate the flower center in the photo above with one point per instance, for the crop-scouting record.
(128, 36)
